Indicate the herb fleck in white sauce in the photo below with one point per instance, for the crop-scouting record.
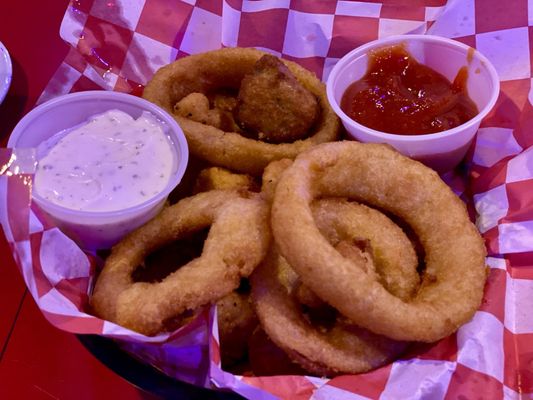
(111, 163)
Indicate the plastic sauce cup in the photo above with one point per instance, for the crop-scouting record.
(441, 151)
(97, 229)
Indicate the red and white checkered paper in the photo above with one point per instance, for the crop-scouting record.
(118, 44)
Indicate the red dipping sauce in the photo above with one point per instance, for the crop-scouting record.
(399, 95)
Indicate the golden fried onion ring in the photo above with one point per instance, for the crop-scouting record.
(342, 348)
(341, 221)
(452, 285)
(393, 254)
(276, 288)
(222, 69)
(231, 251)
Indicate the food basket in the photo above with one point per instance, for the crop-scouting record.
(118, 45)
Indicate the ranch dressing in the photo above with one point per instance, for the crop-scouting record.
(110, 163)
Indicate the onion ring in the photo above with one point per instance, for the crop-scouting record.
(452, 285)
(278, 294)
(222, 69)
(339, 220)
(394, 256)
(235, 315)
(231, 251)
(271, 175)
(340, 348)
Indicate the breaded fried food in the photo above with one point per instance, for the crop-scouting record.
(215, 178)
(236, 323)
(392, 254)
(196, 107)
(315, 336)
(230, 252)
(222, 71)
(216, 111)
(359, 232)
(454, 278)
(271, 176)
(273, 104)
(224, 101)
(308, 329)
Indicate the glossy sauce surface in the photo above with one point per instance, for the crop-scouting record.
(401, 96)
(110, 163)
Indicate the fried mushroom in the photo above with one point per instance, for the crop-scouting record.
(273, 104)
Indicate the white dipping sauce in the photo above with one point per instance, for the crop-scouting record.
(110, 163)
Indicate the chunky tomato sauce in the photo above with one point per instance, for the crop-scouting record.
(399, 95)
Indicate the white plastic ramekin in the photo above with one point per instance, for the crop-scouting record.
(97, 229)
(442, 150)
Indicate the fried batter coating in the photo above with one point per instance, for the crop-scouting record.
(196, 107)
(361, 234)
(453, 282)
(225, 102)
(274, 104)
(305, 296)
(271, 176)
(216, 178)
(392, 257)
(326, 346)
(299, 321)
(236, 317)
(231, 251)
(236, 323)
(218, 70)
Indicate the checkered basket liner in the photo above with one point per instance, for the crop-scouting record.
(119, 44)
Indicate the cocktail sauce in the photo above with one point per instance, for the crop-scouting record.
(399, 95)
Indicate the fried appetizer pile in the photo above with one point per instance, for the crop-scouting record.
(241, 108)
(454, 276)
(342, 288)
(371, 250)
